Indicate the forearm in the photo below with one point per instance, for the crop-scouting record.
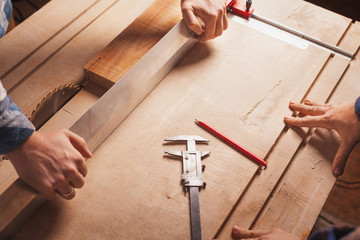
(15, 128)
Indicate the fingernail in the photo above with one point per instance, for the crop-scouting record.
(286, 117)
(307, 101)
(292, 102)
(235, 229)
(337, 172)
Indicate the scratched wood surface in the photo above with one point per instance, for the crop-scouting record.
(133, 191)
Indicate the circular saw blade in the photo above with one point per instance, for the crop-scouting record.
(52, 103)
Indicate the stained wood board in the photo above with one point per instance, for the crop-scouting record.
(136, 189)
(133, 43)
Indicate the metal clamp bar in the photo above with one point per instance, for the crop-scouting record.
(307, 37)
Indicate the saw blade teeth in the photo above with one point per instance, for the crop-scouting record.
(63, 90)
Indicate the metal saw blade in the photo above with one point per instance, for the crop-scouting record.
(53, 101)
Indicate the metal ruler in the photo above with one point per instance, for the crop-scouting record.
(279, 31)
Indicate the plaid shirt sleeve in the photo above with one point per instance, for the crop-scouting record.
(5, 15)
(15, 127)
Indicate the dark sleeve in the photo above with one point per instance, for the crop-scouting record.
(15, 128)
(333, 233)
(357, 107)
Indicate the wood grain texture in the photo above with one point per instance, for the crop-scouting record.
(305, 17)
(132, 191)
(59, 59)
(134, 42)
(109, 65)
(137, 190)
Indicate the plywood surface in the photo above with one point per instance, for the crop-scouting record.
(136, 189)
(239, 84)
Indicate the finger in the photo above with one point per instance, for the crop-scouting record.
(82, 167)
(191, 21)
(75, 178)
(312, 103)
(210, 20)
(243, 233)
(65, 191)
(308, 110)
(79, 143)
(341, 157)
(219, 25)
(307, 121)
(225, 19)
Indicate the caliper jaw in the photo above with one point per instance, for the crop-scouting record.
(192, 167)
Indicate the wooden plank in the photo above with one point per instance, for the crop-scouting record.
(27, 37)
(138, 184)
(317, 168)
(350, 40)
(134, 42)
(61, 61)
(305, 17)
(322, 88)
(54, 60)
(108, 67)
(282, 153)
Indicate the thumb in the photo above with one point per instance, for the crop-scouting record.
(341, 157)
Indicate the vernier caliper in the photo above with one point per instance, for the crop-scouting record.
(191, 177)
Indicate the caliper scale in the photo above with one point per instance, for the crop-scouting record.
(191, 177)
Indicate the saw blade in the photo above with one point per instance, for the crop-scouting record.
(52, 103)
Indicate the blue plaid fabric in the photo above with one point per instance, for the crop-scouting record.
(357, 107)
(5, 15)
(15, 127)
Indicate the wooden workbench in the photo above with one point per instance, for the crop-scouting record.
(240, 83)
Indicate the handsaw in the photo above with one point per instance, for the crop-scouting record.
(103, 118)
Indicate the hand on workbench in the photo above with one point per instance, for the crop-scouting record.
(274, 234)
(206, 18)
(341, 118)
(52, 162)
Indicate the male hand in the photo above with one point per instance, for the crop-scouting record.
(52, 162)
(206, 18)
(274, 234)
(341, 118)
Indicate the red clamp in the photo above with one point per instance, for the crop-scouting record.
(239, 9)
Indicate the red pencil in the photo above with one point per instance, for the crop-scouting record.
(231, 143)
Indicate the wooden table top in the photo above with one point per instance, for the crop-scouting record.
(241, 84)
